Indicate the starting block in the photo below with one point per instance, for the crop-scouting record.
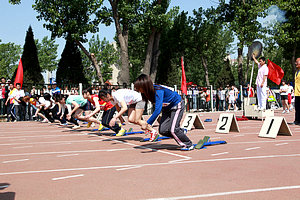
(158, 139)
(130, 132)
(206, 142)
(104, 129)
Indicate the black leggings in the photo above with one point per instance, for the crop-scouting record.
(107, 116)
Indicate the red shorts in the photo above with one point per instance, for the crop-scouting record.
(289, 98)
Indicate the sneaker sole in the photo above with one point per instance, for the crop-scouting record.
(154, 140)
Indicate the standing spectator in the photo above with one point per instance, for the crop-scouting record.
(290, 91)
(202, 99)
(55, 89)
(9, 104)
(297, 93)
(221, 95)
(250, 91)
(194, 95)
(2, 99)
(207, 99)
(261, 82)
(284, 96)
(33, 91)
(17, 94)
(227, 89)
(218, 99)
(232, 98)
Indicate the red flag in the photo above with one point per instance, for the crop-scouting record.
(275, 72)
(19, 75)
(183, 78)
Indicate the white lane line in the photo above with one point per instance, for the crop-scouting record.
(73, 141)
(230, 193)
(215, 138)
(252, 148)
(10, 161)
(22, 147)
(281, 144)
(43, 136)
(216, 154)
(62, 143)
(238, 135)
(74, 176)
(67, 155)
(63, 152)
(134, 167)
(150, 164)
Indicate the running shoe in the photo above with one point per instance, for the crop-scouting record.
(153, 136)
(187, 148)
(76, 127)
(101, 127)
(89, 124)
(283, 112)
(45, 121)
(64, 124)
(287, 111)
(185, 131)
(121, 132)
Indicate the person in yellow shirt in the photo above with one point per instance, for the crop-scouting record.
(297, 93)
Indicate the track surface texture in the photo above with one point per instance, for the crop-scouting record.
(41, 161)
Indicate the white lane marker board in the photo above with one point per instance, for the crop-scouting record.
(191, 120)
(227, 123)
(274, 126)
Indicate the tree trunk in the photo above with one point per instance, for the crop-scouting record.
(149, 52)
(204, 62)
(156, 52)
(93, 60)
(293, 60)
(240, 65)
(246, 71)
(123, 40)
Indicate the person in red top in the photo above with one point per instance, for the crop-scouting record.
(251, 90)
(107, 107)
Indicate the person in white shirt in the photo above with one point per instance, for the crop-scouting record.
(261, 82)
(232, 98)
(221, 95)
(17, 94)
(284, 96)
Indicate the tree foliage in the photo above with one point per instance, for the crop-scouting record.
(108, 54)
(9, 57)
(31, 67)
(47, 54)
(70, 68)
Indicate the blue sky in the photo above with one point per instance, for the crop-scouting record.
(15, 20)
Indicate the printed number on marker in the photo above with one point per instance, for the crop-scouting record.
(222, 127)
(270, 126)
(188, 122)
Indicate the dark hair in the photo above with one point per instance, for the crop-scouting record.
(104, 92)
(47, 96)
(145, 82)
(283, 81)
(18, 84)
(262, 58)
(88, 90)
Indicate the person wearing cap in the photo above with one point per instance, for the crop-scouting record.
(55, 89)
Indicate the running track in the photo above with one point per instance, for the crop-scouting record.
(46, 162)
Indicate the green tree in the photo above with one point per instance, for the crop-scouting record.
(210, 42)
(70, 68)
(47, 54)
(242, 18)
(31, 67)
(71, 20)
(9, 57)
(287, 33)
(225, 76)
(106, 53)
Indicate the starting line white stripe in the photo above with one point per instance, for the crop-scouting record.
(216, 154)
(22, 147)
(60, 178)
(281, 144)
(252, 148)
(150, 164)
(231, 193)
(60, 152)
(68, 155)
(10, 161)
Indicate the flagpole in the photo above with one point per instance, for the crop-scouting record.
(250, 83)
